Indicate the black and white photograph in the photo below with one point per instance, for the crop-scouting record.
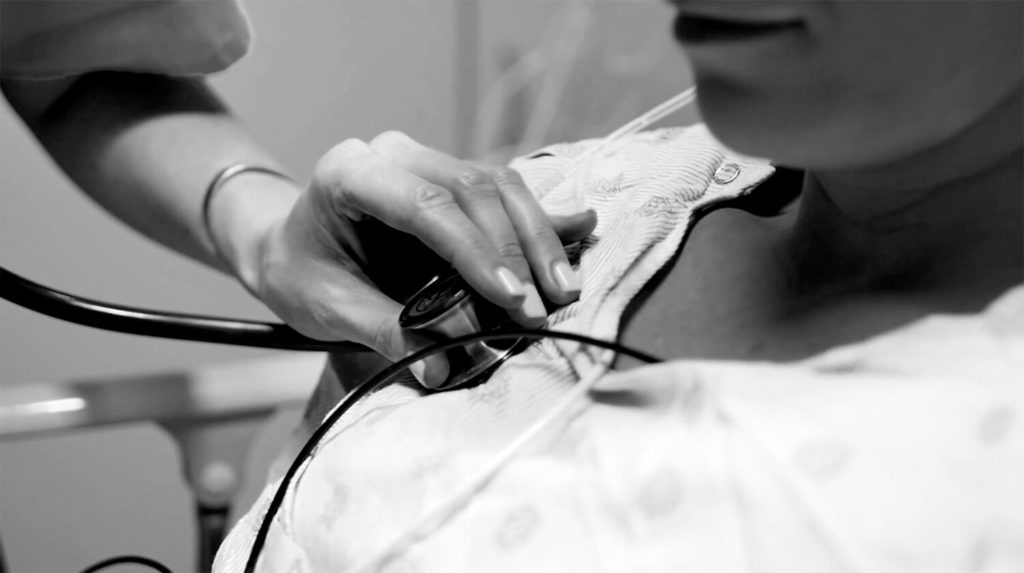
(512, 286)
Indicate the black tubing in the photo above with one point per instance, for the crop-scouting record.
(158, 324)
(125, 559)
(387, 376)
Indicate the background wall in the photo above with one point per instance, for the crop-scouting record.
(320, 71)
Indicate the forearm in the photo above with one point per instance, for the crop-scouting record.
(146, 148)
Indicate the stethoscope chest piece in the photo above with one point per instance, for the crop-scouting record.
(448, 307)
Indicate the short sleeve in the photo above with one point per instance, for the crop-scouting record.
(48, 39)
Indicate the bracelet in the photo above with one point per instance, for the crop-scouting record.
(223, 176)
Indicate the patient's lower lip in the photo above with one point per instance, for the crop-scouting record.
(692, 29)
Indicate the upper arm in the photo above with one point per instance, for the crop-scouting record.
(49, 45)
(49, 39)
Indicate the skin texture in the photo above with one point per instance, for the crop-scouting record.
(859, 83)
(906, 117)
(145, 147)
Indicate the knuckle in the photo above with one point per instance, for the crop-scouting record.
(544, 234)
(471, 178)
(478, 187)
(390, 140)
(347, 149)
(511, 250)
(507, 176)
(341, 155)
(429, 197)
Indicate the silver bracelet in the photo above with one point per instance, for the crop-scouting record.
(223, 176)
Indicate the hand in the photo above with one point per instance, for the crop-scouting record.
(360, 229)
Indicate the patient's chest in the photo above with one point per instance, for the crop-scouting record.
(669, 480)
(713, 298)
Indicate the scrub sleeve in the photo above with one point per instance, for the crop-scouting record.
(51, 39)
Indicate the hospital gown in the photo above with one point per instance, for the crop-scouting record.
(904, 452)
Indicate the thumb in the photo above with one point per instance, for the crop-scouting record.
(397, 343)
(576, 227)
(340, 306)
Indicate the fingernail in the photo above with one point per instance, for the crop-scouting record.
(510, 282)
(584, 214)
(568, 280)
(533, 306)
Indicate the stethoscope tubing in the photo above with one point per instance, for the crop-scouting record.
(200, 328)
(386, 376)
(160, 324)
(218, 330)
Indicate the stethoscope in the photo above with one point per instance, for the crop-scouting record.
(445, 309)
(476, 335)
(445, 305)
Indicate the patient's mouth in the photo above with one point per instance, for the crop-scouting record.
(700, 29)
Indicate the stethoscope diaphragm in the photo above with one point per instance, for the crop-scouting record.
(447, 307)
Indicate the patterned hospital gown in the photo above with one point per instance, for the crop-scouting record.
(901, 453)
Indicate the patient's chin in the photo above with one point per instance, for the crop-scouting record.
(798, 146)
(789, 130)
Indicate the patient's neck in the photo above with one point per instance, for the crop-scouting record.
(949, 220)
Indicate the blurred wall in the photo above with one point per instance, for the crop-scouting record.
(320, 71)
(571, 70)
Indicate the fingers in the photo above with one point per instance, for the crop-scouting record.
(481, 199)
(542, 244)
(358, 181)
(482, 220)
(574, 228)
(497, 201)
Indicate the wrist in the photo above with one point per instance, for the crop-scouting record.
(241, 214)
